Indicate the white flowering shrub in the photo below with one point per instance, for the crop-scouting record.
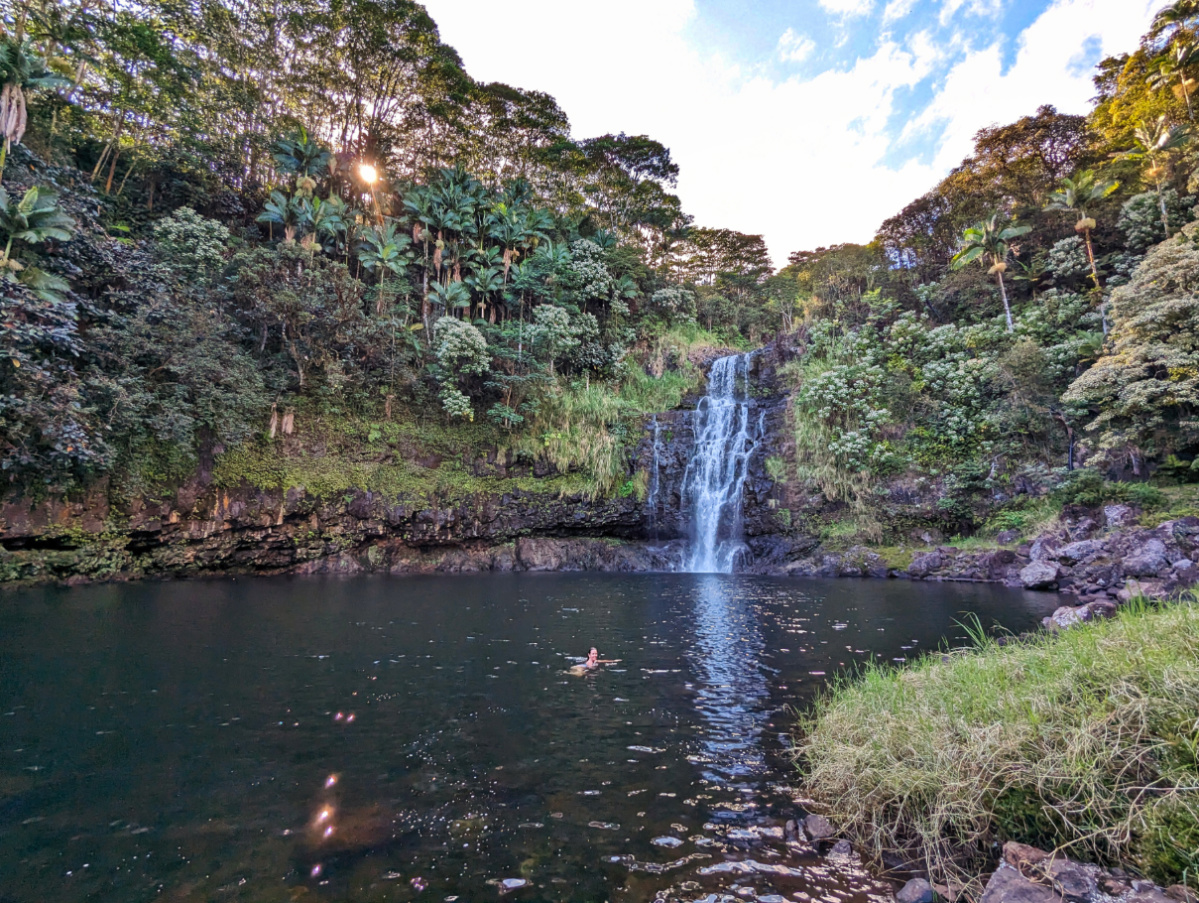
(552, 333)
(1067, 260)
(1141, 217)
(460, 347)
(589, 275)
(461, 351)
(192, 247)
(675, 304)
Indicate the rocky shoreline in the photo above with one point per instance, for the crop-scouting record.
(1101, 557)
(1024, 874)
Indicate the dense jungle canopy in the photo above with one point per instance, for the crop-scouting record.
(226, 222)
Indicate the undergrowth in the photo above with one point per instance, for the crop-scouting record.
(1086, 742)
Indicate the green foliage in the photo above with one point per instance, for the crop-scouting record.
(1088, 487)
(1141, 217)
(1050, 741)
(1146, 384)
(673, 304)
(193, 248)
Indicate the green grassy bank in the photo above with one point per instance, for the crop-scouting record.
(1086, 741)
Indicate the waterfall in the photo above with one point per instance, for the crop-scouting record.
(655, 480)
(727, 429)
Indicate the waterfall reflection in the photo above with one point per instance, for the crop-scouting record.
(732, 693)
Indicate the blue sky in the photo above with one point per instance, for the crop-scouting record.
(809, 121)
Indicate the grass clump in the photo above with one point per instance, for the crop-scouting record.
(1085, 742)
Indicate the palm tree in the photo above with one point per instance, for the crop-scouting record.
(1173, 17)
(987, 241)
(326, 218)
(1182, 57)
(485, 280)
(419, 204)
(385, 249)
(286, 212)
(301, 155)
(1073, 197)
(451, 296)
(21, 70)
(1153, 143)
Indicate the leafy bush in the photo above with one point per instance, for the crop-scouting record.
(673, 304)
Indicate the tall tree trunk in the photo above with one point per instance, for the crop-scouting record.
(1161, 201)
(1007, 310)
(1091, 256)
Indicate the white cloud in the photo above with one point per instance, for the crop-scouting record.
(847, 8)
(798, 159)
(795, 47)
(973, 7)
(977, 92)
(897, 9)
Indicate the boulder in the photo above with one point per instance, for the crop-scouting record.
(1148, 892)
(1065, 617)
(842, 848)
(925, 564)
(1022, 856)
(1039, 575)
(1116, 516)
(1076, 552)
(1076, 882)
(1043, 547)
(818, 827)
(1007, 536)
(1008, 886)
(916, 891)
(1147, 561)
(1099, 608)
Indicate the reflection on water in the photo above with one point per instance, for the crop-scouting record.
(422, 739)
(732, 696)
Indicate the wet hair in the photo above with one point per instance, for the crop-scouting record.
(593, 649)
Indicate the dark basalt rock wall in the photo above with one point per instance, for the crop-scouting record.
(203, 529)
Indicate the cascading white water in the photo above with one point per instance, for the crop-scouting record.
(655, 480)
(727, 429)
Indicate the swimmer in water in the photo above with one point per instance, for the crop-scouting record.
(593, 662)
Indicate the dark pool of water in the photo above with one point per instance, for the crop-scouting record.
(196, 741)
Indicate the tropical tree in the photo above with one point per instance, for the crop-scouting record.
(32, 220)
(1152, 144)
(485, 281)
(988, 241)
(385, 249)
(1075, 196)
(300, 155)
(288, 212)
(327, 219)
(450, 296)
(21, 70)
(1177, 15)
(1174, 68)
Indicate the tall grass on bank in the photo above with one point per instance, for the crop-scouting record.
(1087, 742)
(592, 429)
